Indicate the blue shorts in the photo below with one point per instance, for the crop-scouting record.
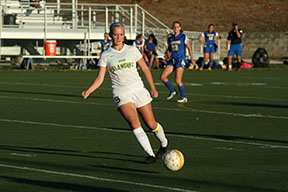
(235, 49)
(178, 63)
(209, 48)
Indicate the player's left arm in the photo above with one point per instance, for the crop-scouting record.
(148, 76)
(190, 52)
(217, 38)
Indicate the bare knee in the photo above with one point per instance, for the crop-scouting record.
(179, 82)
(134, 123)
(164, 78)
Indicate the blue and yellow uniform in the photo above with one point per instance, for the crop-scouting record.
(139, 45)
(105, 45)
(177, 47)
(210, 38)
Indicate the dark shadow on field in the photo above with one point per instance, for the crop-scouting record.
(52, 94)
(122, 169)
(219, 184)
(250, 104)
(229, 138)
(59, 185)
(75, 153)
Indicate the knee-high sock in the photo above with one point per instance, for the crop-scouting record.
(182, 91)
(203, 63)
(211, 63)
(143, 140)
(169, 86)
(159, 133)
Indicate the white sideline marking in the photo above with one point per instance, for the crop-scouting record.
(128, 131)
(158, 83)
(95, 178)
(159, 108)
(228, 149)
(22, 155)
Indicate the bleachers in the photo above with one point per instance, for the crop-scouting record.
(82, 24)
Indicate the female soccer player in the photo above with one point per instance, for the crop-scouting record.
(177, 45)
(151, 50)
(129, 95)
(210, 39)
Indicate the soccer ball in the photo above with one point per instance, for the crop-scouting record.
(173, 160)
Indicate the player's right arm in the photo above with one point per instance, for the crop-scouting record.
(97, 82)
(227, 44)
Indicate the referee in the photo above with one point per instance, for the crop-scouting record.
(234, 39)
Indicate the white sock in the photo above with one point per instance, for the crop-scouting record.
(159, 133)
(143, 140)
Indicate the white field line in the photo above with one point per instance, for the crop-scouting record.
(183, 108)
(262, 145)
(95, 178)
(158, 83)
(264, 85)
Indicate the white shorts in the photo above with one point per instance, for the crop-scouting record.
(139, 97)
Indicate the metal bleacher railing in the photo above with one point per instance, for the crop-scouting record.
(82, 23)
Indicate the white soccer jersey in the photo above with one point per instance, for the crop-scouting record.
(122, 68)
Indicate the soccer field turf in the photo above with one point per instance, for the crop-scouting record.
(233, 133)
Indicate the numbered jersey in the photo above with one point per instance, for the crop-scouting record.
(210, 37)
(177, 46)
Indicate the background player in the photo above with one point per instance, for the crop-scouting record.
(129, 94)
(234, 38)
(105, 43)
(151, 50)
(139, 44)
(177, 44)
(211, 38)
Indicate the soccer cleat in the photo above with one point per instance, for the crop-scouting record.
(229, 69)
(182, 100)
(201, 69)
(209, 69)
(161, 152)
(150, 160)
(171, 95)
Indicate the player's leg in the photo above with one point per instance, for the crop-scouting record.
(178, 78)
(211, 56)
(239, 55)
(157, 61)
(206, 54)
(231, 53)
(164, 78)
(129, 112)
(148, 117)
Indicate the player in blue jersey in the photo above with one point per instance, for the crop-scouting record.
(210, 40)
(150, 49)
(234, 39)
(177, 45)
(105, 43)
(139, 44)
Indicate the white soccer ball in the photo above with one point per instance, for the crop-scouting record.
(173, 160)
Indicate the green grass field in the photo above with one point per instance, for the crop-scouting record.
(233, 133)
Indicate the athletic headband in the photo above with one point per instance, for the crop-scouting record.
(115, 25)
